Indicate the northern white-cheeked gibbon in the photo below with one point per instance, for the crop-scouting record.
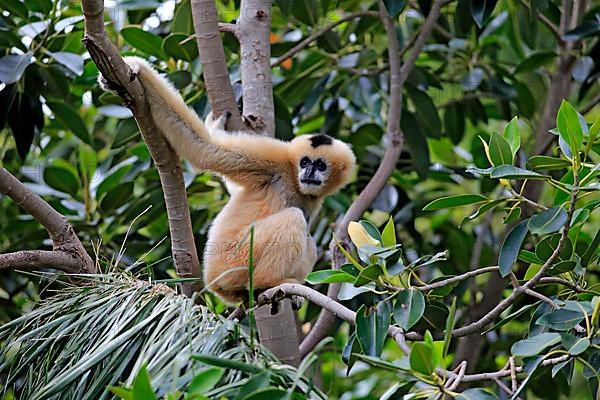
(277, 187)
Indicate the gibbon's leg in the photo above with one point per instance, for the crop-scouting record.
(284, 250)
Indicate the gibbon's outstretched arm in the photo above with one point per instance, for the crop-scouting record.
(243, 158)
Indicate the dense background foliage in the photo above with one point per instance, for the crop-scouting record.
(486, 62)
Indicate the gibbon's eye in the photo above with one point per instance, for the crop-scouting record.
(304, 162)
(320, 165)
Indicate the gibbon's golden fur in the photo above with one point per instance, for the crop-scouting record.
(274, 185)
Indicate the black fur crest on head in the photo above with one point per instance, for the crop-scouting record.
(320, 140)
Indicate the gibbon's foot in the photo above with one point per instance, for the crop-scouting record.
(219, 123)
(297, 302)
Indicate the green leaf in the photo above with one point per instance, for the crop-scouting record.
(388, 236)
(512, 215)
(367, 275)
(255, 383)
(545, 248)
(586, 29)
(182, 19)
(476, 394)
(482, 210)
(394, 7)
(510, 317)
(529, 257)
(569, 126)
(205, 380)
(228, 364)
(372, 327)
(511, 247)
(561, 320)
(146, 42)
(450, 321)
(15, 7)
(512, 135)
(427, 112)
(534, 345)
(423, 356)
(371, 229)
(172, 45)
(114, 179)
(561, 267)
(535, 60)
(454, 201)
(123, 393)
(548, 163)
(307, 11)
(549, 221)
(13, 66)
(500, 151)
(573, 344)
(590, 253)
(62, 179)
(409, 308)
(117, 196)
(142, 388)
(329, 276)
(70, 119)
(73, 62)
(510, 172)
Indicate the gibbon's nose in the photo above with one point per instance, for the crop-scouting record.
(310, 171)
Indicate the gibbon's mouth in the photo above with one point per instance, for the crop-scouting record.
(311, 181)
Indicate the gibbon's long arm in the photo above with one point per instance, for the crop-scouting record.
(243, 158)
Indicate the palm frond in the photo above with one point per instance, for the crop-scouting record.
(87, 337)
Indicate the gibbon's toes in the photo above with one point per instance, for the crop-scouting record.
(297, 302)
(106, 84)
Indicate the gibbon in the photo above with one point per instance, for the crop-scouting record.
(275, 186)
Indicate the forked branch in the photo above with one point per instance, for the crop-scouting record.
(68, 253)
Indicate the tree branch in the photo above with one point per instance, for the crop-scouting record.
(517, 291)
(216, 76)
(394, 146)
(68, 253)
(113, 68)
(254, 26)
(317, 34)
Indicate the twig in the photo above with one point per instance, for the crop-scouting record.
(513, 374)
(229, 28)
(541, 297)
(505, 388)
(317, 34)
(68, 253)
(521, 197)
(456, 379)
(554, 280)
(506, 371)
(456, 278)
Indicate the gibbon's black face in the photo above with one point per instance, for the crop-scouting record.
(312, 171)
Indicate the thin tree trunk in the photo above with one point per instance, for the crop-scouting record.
(113, 68)
(212, 56)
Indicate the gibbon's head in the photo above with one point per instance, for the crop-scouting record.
(323, 164)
